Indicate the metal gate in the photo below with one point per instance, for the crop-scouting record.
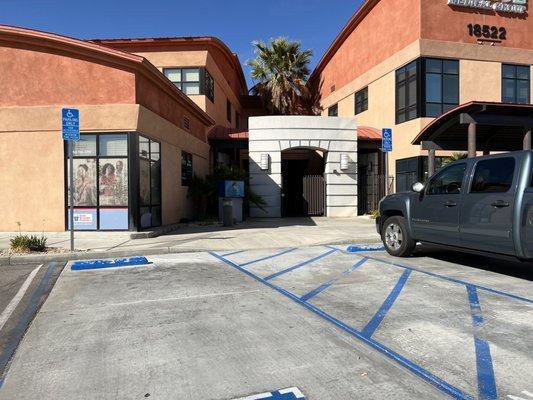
(314, 195)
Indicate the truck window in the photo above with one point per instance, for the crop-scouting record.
(493, 176)
(448, 181)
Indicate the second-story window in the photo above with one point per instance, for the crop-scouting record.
(515, 83)
(228, 110)
(333, 111)
(361, 101)
(406, 92)
(442, 86)
(192, 81)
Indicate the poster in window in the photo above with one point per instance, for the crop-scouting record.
(113, 182)
(84, 182)
(84, 219)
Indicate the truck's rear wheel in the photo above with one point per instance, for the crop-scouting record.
(396, 237)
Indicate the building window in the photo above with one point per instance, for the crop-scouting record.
(515, 84)
(149, 182)
(361, 101)
(228, 110)
(412, 170)
(101, 182)
(187, 170)
(237, 120)
(333, 111)
(192, 81)
(406, 93)
(441, 86)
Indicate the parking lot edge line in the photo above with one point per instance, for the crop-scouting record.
(454, 280)
(324, 286)
(233, 253)
(20, 328)
(302, 264)
(268, 257)
(423, 374)
(485, 371)
(376, 320)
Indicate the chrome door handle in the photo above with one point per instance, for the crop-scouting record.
(450, 204)
(500, 204)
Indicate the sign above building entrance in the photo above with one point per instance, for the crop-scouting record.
(503, 6)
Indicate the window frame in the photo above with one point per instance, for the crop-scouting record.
(407, 107)
(515, 80)
(442, 74)
(186, 183)
(150, 160)
(361, 100)
(229, 111)
(333, 111)
(206, 82)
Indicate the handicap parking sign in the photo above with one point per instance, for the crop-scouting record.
(386, 140)
(70, 124)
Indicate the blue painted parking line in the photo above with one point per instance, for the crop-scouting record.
(299, 265)
(116, 263)
(268, 257)
(376, 320)
(485, 371)
(324, 286)
(454, 280)
(360, 249)
(284, 394)
(419, 371)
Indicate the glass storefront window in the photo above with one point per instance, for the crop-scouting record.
(113, 145)
(149, 182)
(86, 146)
(113, 182)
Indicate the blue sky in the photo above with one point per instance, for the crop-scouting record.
(237, 22)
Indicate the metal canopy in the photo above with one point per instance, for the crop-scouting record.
(493, 127)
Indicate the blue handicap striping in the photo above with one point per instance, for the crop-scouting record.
(485, 371)
(324, 286)
(18, 332)
(454, 280)
(100, 264)
(419, 371)
(376, 320)
(268, 257)
(360, 249)
(283, 394)
(299, 265)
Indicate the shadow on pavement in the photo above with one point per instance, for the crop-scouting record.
(494, 263)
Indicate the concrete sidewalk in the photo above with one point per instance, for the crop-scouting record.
(252, 234)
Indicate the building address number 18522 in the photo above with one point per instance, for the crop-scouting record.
(487, 32)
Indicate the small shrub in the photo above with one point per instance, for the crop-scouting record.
(25, 243)
(374, 214)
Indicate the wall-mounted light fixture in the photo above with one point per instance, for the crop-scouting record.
(344, 161)
(265, 162)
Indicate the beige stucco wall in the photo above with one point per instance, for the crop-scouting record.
(480, 79)
(197, 58)
(32, 178)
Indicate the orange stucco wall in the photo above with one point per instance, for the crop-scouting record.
(442, 22)
(30, 78)
(388, 28)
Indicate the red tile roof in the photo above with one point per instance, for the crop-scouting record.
(368, 133)
(222, 133)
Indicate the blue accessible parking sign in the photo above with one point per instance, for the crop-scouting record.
(386, 140)
(70, 124)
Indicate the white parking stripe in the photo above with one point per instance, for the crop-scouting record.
(16, 300)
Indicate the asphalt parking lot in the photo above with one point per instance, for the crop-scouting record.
(335, 325)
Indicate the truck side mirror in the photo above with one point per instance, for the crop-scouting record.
(417, 187)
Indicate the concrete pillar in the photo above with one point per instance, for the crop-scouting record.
(472, 140)
(527, 139)
(431, 162)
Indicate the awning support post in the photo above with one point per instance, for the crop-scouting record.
(527, 139)
(431, 162)
(472, 139)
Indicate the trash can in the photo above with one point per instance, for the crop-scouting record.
(227, 212)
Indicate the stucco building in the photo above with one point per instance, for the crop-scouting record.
(401, 64)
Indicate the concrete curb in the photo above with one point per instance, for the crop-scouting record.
(89, 255)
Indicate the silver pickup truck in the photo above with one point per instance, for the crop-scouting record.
(483, 204)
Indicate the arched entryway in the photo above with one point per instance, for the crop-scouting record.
(303, 188)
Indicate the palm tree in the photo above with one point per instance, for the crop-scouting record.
(280, 71)
(454, 157)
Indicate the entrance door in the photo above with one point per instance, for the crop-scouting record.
(435, 213)
(487, 210)
(314, 195)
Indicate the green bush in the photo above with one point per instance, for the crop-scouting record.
(24, 243)
(374, 214)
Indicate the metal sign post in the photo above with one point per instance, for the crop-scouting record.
(70, 129)
(386, 147)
